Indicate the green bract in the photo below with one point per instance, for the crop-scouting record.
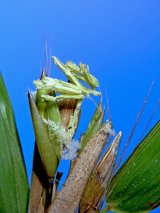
(47, 150)
(94, 125)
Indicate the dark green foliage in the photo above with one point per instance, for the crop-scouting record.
(136, 187)
(13, 178)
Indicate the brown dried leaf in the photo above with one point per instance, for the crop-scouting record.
(68, 198)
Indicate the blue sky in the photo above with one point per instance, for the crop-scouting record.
(119, 40)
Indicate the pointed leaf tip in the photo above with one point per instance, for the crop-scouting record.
(44, 73)
(94, 125)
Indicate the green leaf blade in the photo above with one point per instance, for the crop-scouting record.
(136, 188)
(14, 183)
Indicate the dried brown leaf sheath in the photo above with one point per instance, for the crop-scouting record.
(68, 198)
(66, 108)
(100, 179)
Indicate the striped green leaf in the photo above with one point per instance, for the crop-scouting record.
(136, 187)
(13, 178)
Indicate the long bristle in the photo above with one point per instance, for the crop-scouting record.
(135, 125)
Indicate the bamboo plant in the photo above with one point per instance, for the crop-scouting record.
(92, 185)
